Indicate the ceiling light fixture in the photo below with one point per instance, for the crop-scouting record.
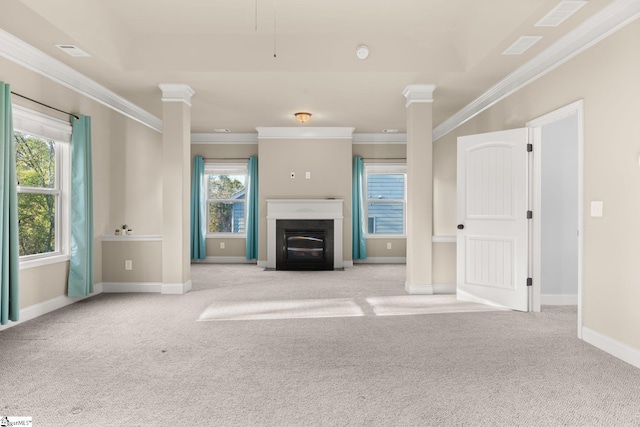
(303, 117)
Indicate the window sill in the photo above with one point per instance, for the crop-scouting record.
(226, 236)
(385, 236)
(46, 260)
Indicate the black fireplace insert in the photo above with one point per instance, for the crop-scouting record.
(304, 244)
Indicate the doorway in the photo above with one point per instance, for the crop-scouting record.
(558, 206)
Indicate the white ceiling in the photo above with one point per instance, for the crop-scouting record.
(224, 50)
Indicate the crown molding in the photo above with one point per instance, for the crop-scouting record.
(224, 138)
(609, 20)
(176, 92)
(35, 60)
(419, 93)
(305, 132)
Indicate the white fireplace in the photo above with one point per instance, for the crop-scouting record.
(304, 209)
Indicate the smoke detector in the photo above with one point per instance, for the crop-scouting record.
(362, 52)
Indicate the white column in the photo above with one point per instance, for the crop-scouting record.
(176, 187)
(419, 188)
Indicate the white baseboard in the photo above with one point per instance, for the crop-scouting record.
(418, 289)
(622, 351)
(548, 299)
(36, 310)
(436, 288)
(441, 289)
(224, 260)
(381, 260)
(151, 287)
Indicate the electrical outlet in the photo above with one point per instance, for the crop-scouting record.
(307, 175)
(128, 264)
(222, 245)
(388, 245)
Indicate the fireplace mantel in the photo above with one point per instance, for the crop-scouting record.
(330, 209)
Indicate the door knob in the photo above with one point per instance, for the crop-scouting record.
(460, 226)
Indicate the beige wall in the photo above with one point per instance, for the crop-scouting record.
(328, 160)
(606, 77)
(146, 260)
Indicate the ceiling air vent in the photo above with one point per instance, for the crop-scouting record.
(560, 13)
(521, 45)
(72, 50)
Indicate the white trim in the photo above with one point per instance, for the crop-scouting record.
(606, 22)
(176, 92)
(547, 299)
(43, 260)
(36, 310)
(444, 288)
(146, 287)
(37, 124)
(418, 289)
(305, 132)
(444, 239)
(222, 236)
(224, 260)
(224, 138)
(133, 238)
(618, 349)
(382, 260)
(33, 59)
(380, 138)
(419, 93)
(535, 126)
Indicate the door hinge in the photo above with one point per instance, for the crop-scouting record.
(529, 281)
(529, 148)
(529, 214)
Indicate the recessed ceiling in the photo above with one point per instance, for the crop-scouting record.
(223, 49)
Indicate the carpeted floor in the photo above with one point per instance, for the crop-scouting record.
(146, 359)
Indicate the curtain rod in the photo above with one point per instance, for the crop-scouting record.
(44, 105)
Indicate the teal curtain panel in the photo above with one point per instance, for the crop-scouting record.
(358, 223)
(10, 263)
(81, 264)
(252, 208)
(198, 210)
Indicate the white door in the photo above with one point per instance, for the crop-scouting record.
(493, 229)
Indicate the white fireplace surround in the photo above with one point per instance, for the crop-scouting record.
(304, 209)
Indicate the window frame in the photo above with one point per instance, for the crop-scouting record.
(49, 128)
(385, 169)
(222, 168)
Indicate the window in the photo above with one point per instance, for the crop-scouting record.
(226, 198)
(385, 188)
(42, 169)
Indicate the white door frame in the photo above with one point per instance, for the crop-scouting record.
(535, 126)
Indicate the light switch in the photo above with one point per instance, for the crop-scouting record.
(307, 175)
(596, 208)
(128, 264)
